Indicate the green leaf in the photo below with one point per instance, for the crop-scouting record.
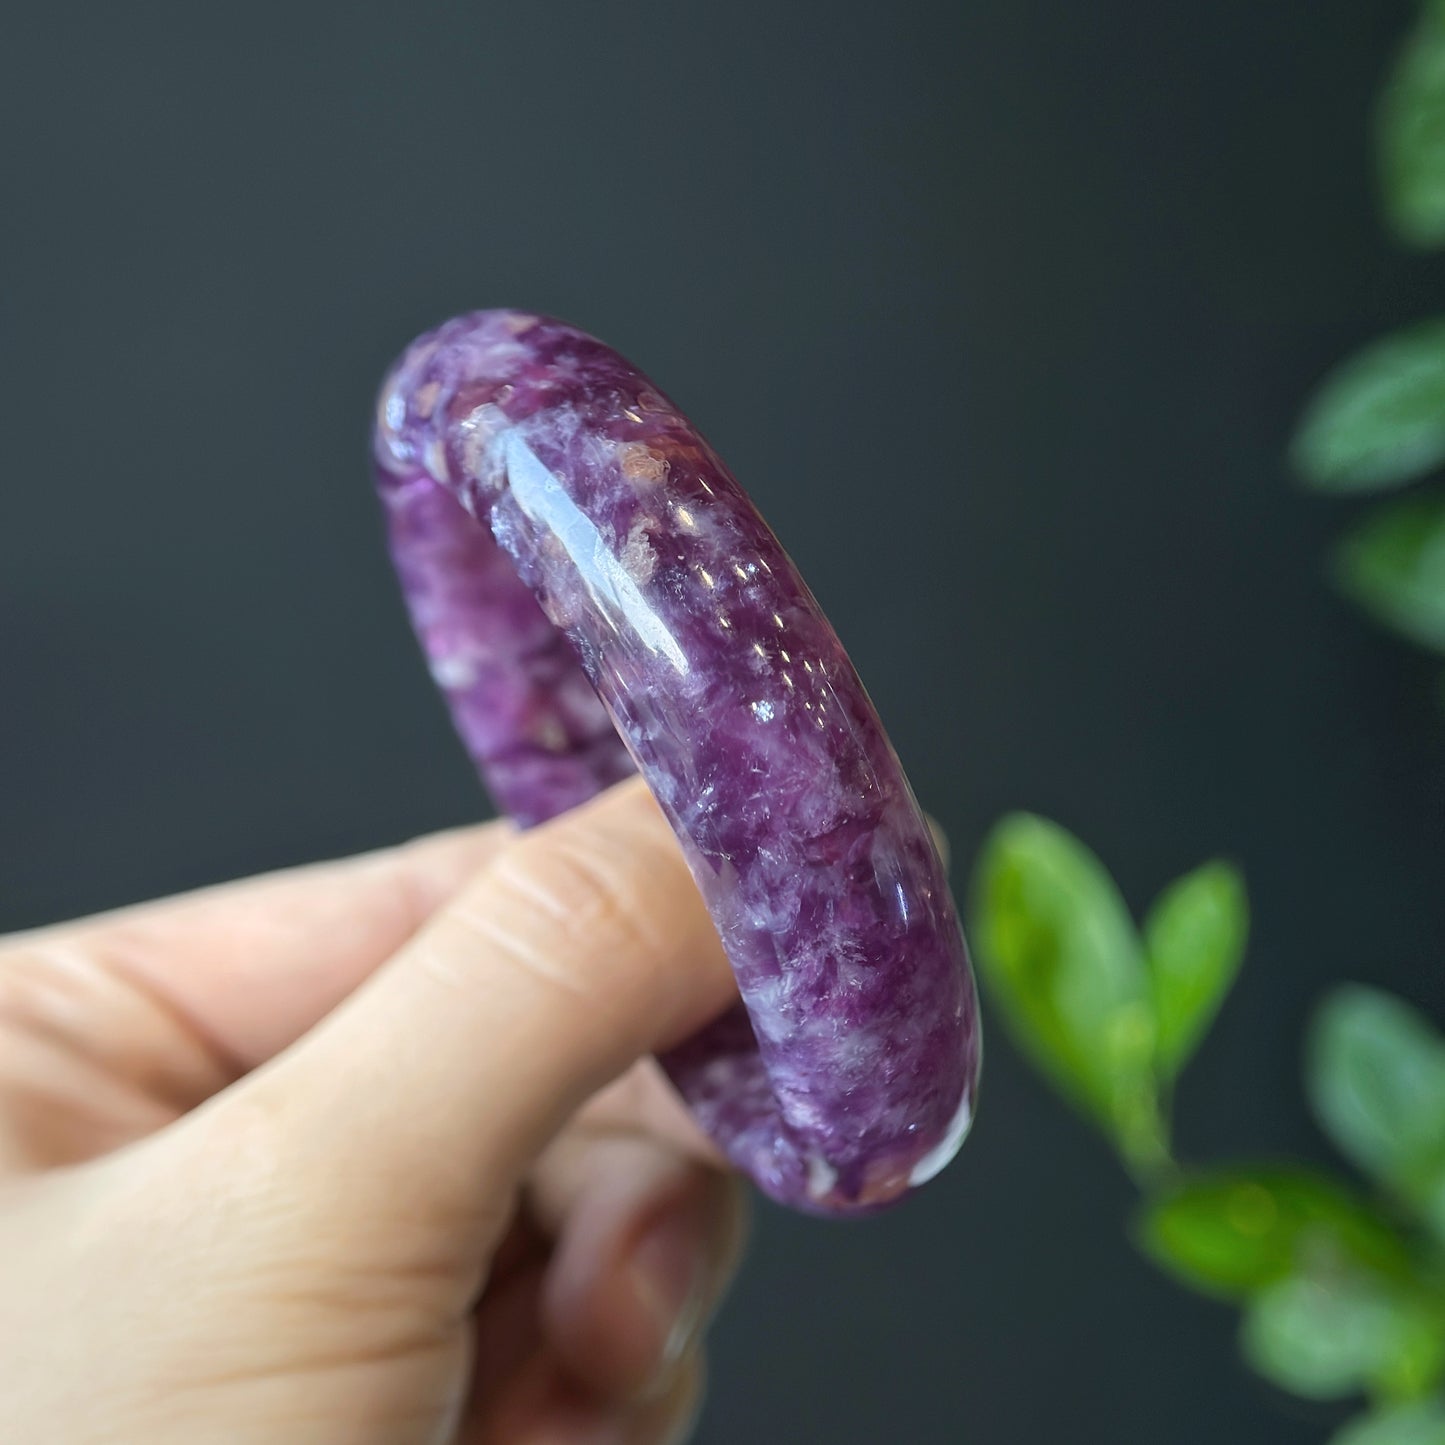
(1194, 940)
(1411, 135)
(1056, 946)
(1234, 1232)
(1422, 1423)
(1376, 1077)
(1379, 419)
(1325, 1338)
(1393, 565)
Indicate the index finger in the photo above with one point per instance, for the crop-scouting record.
(248, 967)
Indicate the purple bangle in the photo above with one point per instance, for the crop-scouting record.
(597, 595)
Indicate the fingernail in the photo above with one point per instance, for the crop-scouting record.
(670, 1271)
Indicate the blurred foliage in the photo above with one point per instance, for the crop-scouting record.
(1328, 1337)
(1109, 1015)
(1378, 420)
(1377, 1081)
(1194, 939)
(1422, 1423)
(1411, 133)
(1342, 1290)
(1068, 964)
(1393, 565)
(1233, 1232)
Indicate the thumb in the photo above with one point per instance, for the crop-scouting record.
(579, 948)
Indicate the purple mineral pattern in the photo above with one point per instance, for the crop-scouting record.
(596, 595)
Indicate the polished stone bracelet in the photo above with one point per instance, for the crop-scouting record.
(596, 595)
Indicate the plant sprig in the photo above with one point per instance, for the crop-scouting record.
(1340, 1283)
(1341, 1288)
(1377, 421)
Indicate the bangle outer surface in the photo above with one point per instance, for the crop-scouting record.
(596, 595)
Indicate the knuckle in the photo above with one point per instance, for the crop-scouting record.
(42, 990)
(573, 911)
(572, 895)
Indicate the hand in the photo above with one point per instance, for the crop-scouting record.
(369, 1152)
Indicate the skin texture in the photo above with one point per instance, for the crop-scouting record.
(369, 1152)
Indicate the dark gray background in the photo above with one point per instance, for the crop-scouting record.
(1001, 310)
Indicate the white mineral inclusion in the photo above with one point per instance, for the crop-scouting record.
(454, 671)
(390, 416)
(477, 429)
(821, 1177)
(933, 1162)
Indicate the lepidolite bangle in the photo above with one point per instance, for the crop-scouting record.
(596, 594)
